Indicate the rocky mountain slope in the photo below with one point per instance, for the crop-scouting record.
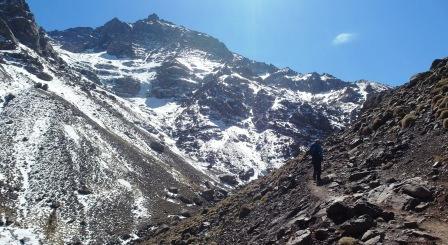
(108, 132)
(76, 163)
(229, 114)
(385, 182)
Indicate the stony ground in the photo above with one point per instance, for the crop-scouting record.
(385, 183)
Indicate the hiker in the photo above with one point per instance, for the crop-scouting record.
(316, 153)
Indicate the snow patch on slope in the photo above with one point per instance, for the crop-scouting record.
(18, 236)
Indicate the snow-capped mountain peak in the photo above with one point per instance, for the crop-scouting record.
(141, 121)
(213, 105)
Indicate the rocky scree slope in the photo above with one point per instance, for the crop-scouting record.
(77, 163)
(385, 182)
(236, 118)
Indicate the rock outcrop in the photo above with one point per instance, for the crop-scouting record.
(17, 24)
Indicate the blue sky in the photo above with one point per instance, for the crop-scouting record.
(380, 40)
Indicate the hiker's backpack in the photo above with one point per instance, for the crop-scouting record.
(316, 152)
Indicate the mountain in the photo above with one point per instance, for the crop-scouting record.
(77, 164)
(385, 182)
(110, 132)
(229, 114)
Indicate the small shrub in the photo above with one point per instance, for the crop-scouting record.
(440, 158)
(436, 99)
(377, 123)
(420, 108)
(366, 131)
(443, 103)
(439, 111)
(264, 199)
(399, 111)
(442, 82)
(445, 123)
(244, 212)
(443, 114)
(347, 241)
(408, 120)
(440, 90)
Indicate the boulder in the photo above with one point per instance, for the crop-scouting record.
(185, 199)
(246, 175)
(359, 175)
(173, 190)
(228, 179)
(221, 194)
(244, 212)
(198, 201)
(208, 195)
(162, 229)
(84, 190)
(321, 234)
(157, 147)
(8, 98)
(302, 237)
(38, 85)
(369, 235)
(302, 221)
(421, 207)
(410, 203)
(338, 212)
(357, 227)
(374, 211)
(185, 213)
(417, 191)
(373, 241)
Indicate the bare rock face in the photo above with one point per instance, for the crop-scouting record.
(126, 87)
(16, 16)
(120, 49)
(148, 33)
(7, 38)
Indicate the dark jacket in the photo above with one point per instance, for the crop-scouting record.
(316, 152)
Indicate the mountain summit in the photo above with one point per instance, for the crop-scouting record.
(135, 40)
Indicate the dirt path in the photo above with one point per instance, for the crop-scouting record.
(437, 228)
(323, 192)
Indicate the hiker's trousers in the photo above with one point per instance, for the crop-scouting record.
(317, 165)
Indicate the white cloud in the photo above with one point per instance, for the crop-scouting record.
(343, 38)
